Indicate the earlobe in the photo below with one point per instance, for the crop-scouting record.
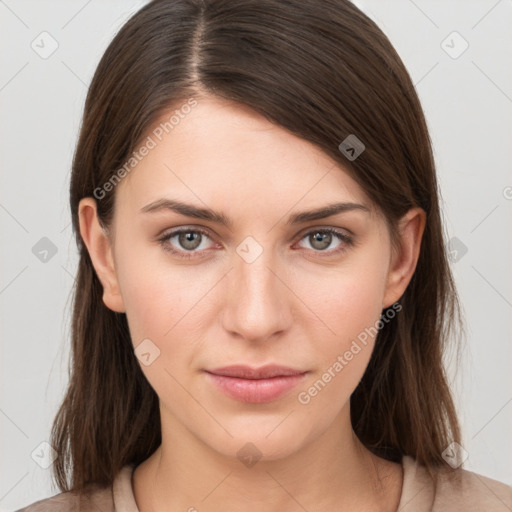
(100, 251)
(405, 258)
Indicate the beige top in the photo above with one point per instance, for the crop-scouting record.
(467, 492)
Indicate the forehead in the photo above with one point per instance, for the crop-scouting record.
(225, 152)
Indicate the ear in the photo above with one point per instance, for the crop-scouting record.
(99, 247)
(404, 258)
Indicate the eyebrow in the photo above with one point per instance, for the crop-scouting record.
(189, 210)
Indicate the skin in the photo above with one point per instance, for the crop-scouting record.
(295, 305)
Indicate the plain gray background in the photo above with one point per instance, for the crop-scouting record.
(467, 98)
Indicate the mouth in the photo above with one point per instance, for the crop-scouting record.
(255, 385)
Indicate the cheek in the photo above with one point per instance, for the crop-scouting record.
(347, 299)
(163, 305)
(349, 302)
(158, 295)
(159, 306)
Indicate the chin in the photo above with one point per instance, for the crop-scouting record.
(259, 443)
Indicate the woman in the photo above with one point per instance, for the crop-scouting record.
(263, 294)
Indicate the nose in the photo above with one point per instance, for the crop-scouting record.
(258, 301)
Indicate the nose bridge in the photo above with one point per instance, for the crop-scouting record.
(256, 303)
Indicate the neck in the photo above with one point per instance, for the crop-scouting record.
(334, 472)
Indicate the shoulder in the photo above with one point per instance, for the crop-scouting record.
(96, 498)
(466, 490)
(456, 490)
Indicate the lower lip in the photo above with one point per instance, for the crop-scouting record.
(255, 390)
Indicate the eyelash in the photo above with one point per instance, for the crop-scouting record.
(346, 241)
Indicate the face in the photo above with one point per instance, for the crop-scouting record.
(263, 286)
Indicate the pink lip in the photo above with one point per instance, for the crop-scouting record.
(255, 385)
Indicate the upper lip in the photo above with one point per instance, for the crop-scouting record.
(248, 372)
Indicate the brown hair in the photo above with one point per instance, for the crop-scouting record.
(322, 70)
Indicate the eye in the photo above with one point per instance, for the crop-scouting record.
(321, 238)
(188, 240)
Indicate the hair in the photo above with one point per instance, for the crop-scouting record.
(323, 71)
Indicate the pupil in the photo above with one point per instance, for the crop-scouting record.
(323, 238)
(188, 240)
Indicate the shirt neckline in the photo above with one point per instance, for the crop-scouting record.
(124, 499)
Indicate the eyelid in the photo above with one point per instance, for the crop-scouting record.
(166, 233)
(342, 231)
